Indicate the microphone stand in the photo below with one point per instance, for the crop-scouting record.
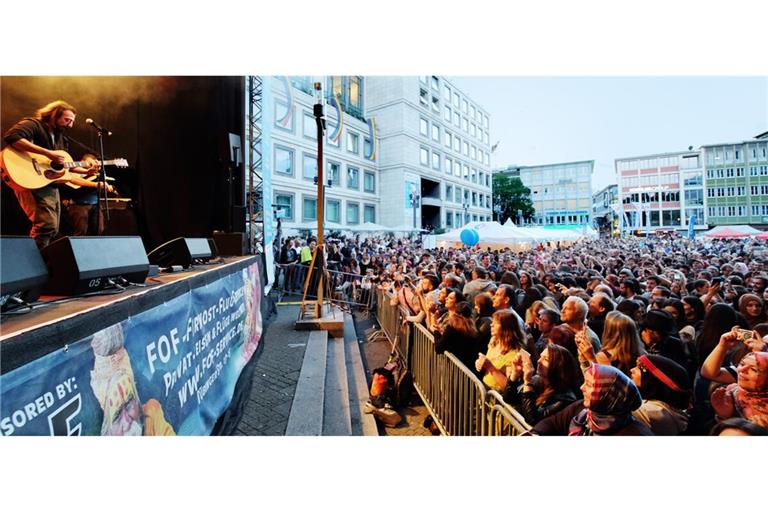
(103, 180)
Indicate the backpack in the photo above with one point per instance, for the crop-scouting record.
(403, 381)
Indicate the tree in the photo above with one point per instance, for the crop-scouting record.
(511, 195)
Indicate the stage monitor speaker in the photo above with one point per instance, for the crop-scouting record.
(181, 251)
(22, 270)
(231, 244)
(80, 264)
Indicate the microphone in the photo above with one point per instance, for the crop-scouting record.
(98, 128)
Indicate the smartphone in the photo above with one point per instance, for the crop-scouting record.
(744, 335)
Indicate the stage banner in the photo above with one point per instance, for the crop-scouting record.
(170, 370)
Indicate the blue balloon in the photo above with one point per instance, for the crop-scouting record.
(470, 236)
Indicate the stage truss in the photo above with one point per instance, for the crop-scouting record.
(254, 195)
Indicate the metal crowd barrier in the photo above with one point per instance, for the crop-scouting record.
(458, 401)
(344, 288)
(503, 419)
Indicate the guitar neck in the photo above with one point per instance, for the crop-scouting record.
(70, 165)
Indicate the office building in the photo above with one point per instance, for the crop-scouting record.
(561, 193)
(662, 191)
(737, 181)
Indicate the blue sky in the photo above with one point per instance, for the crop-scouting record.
(558, 119)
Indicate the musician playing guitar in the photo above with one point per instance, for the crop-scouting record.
(43, 135)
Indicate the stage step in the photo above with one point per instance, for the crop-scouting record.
(332, 388)
(306, 417)
(336, 411)
(359, 391)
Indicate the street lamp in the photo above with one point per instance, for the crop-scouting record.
(414, 204)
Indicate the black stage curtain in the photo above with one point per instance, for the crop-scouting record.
(172, 130)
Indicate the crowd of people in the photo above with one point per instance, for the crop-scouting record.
(629, 336)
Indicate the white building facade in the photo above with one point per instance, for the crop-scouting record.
(352, 194)
(434, 152)
(662, 191)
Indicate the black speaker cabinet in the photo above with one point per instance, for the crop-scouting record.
(181, 251)
(22, 270)
(80, 264)
(231, 244)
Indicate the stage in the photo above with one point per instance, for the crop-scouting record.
(161, 359)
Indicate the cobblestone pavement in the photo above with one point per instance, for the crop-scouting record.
(277, 372)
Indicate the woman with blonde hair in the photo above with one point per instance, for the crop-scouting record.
(507, 340)
(621, 344)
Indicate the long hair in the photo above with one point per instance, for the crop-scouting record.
(533, 312)
(462, 320)
(562, 374)
(719, 319)
(52, 111)
(510, 336)
(510, 278)
(621, 340)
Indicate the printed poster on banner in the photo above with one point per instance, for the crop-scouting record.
(170, 370)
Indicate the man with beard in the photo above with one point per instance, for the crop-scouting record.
(42, 135)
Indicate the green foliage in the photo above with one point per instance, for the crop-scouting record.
(512, 195)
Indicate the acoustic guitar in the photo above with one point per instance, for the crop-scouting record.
(24, 170)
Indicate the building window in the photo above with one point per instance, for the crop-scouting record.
(353, 178)
(283, 161)
(448, 166)
(448, 219)
(366, 146)
(465, 168)
(456, 119)
(424, 127)
(369, 213)
(448, 139)
(456, 144)
(309, 209)
(474, 198)
(423, 98)
(333, 210)
(447, 114)
(464, 105)
(466, 148)
(310, 167)
(353, 143)
(446, 93)
(353, 213)
(456, 99)
(424, 156)
(458, 195)
(369, 182)
(284, 202)
(473, 153)
(281, 111)
(448, 192)
(436, 161)
(435, 133)
(355, 93)
(464, 124)
(310, 126)
(334, 173)
(473, 174)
